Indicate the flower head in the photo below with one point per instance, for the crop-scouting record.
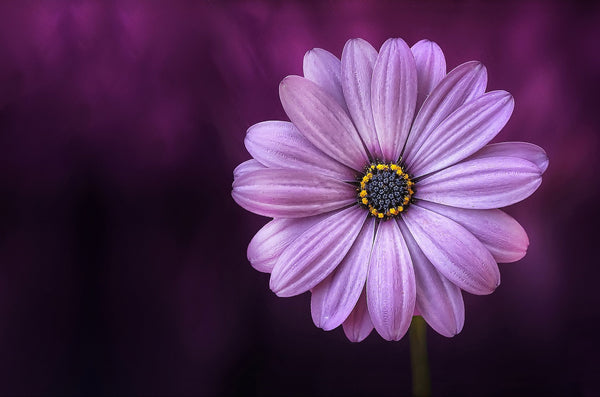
(384, 190)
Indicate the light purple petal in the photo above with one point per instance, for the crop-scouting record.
(290, 193)
(391, 290)
(485, 183)
(439, 301)
(463, 84)
(358, 59)
(247, 166)
(431, 67)
(393, 96)
(273, 238)
(358, 325)
(464, 132)
(323, 68)
(502, 235)
(523, 150)
(314, 255)
(278, 144)
(322, 121)
(334, 298)
(453, 250)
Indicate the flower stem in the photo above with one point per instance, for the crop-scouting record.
(421, 383)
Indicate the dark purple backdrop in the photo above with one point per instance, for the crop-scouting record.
(123, 263)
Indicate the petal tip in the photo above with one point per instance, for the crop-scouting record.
(327, 324)
(275, 284)
(354, 41)
(429, 43)
(286, 82)
(279, 287)
(456, 330)
(395, 42)
(283, 82)
(393, 336)
(280, 292)
(355, 336)
(479, 68)
(544, 163)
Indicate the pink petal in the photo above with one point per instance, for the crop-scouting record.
(484, 183)
(358, 325)
(502, 235)
(316, 253)
(464, 132)
(322, 121)
(247, 166)
(391, 290)
(358, 59)
(290, 193)
(523, 150)
(334, 298)
(323, 68)
(463, 84)
(278, 144)
(393, 96)
(431, 68)
(439, 301)
(269, 242)
(453, 250)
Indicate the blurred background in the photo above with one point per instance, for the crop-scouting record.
(123, 263)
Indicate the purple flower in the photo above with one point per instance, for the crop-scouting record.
(384, 190)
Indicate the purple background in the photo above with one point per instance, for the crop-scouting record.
(123, 267)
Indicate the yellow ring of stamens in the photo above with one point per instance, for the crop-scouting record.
(366, 197)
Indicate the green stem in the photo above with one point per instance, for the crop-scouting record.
(421, 382)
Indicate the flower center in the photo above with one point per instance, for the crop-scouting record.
(385, 190)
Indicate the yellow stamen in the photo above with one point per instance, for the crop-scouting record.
(373, 171)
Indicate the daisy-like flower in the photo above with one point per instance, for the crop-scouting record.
(384, 190)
